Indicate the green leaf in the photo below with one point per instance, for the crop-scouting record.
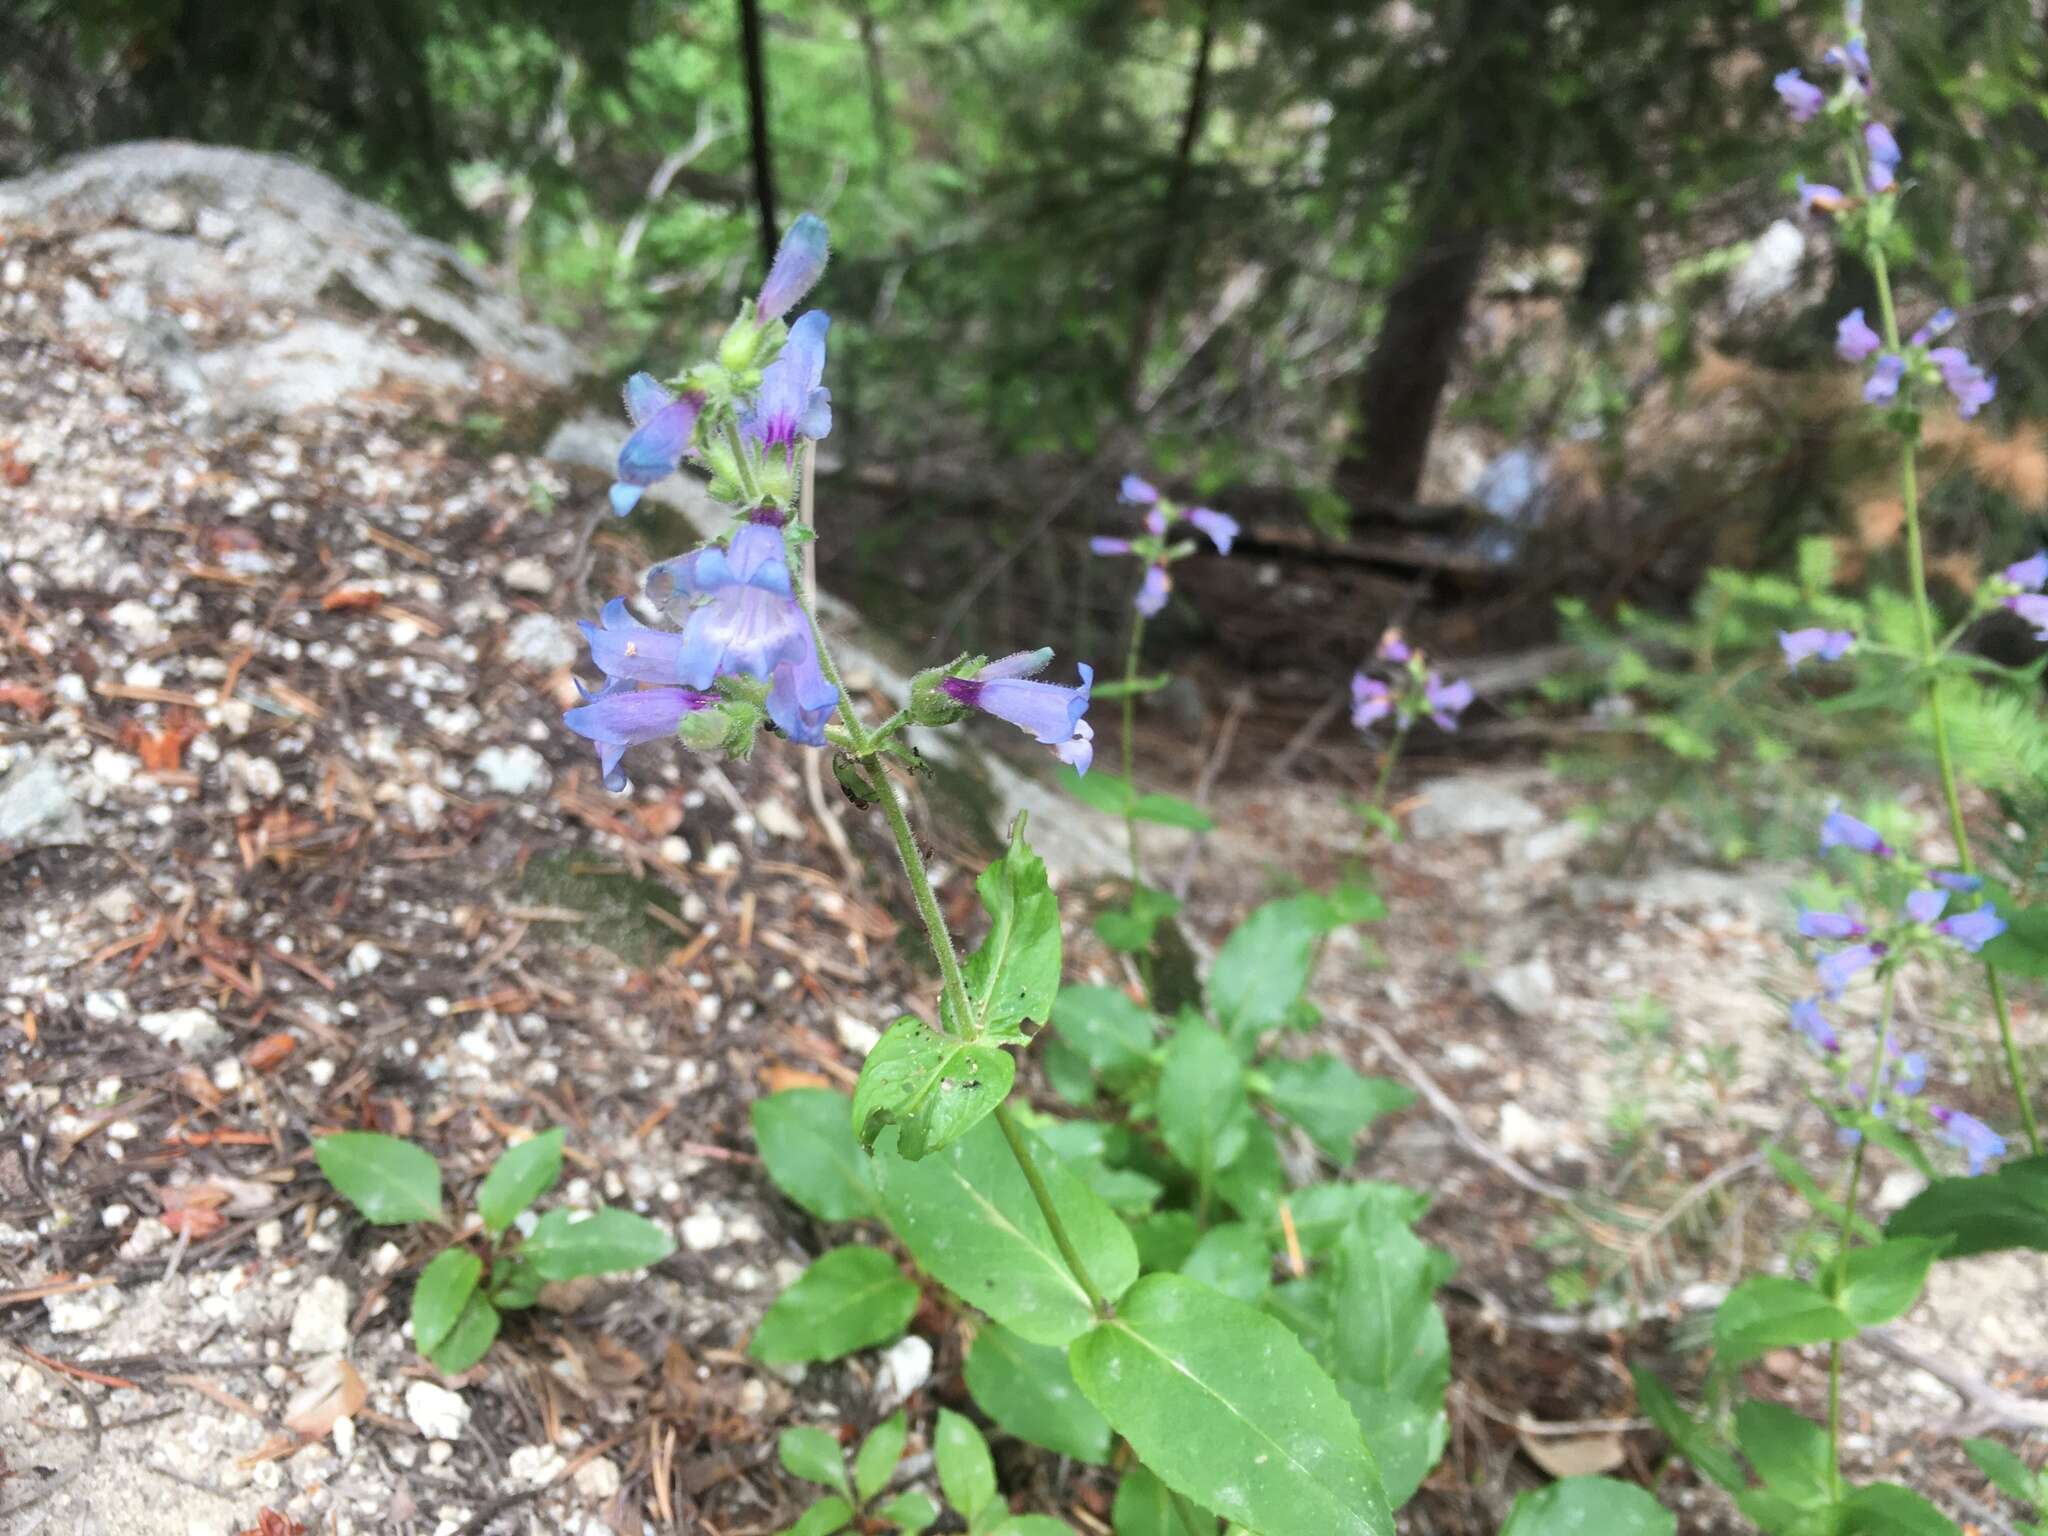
(967, 1474)
(469, 1340)
(813, 1454)
(1881, 1283)
(2008, 1474)
(823, 1518)
(1202, 1101)
(1253, 1183)
(1886, 1509)
(968, 1217)
(1110, 1031)
(388, 1180)
(1576, 1505)
(1321, 1212)
(934, 1088)
(1227, 1408)
(1389, 1332)
(2023, 948)
(1029, 1390)
(1165, 1239)
(1262, 968)
(1117, 688)
(1234, 1259)
(806, 1141)
(850, 1298)
(1793, 1172)
(1068, 1072)
(438, 1297)
(1693, 1440)
(1031, 1525)
(1772, 1312)
(1789, 1451)
(1130, 930)
(2005, 1208)
(878, 1456)
(1407, 1438)
(911, 1511)
(1144, 1507)
(1172, 811)
(1331, 1102)
(515, 1284)
(1105, 791)
(520, 1176)
(1012, 977)
(605, 1241)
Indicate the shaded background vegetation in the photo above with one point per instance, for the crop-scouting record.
(1375, 274)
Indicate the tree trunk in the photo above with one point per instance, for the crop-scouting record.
(1153, 277)
(757, 129)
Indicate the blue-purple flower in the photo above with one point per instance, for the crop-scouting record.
(1852, 59)
(791, 404)
(625, 649)
(1371, 701)
(1221, 527)
(1446, 701)
(1972, 930)
(1884, 156)
(663, 423)
(1936, 324)
(621, 715)
(1828, 644)
(748, 621)
(1971, 386)
(1837, 970)
(1924, 907)
(2033, 607)
(1955, 880)
(800, 701)
(1394, 647)
(1978, 1142)
(1854, 339)
(1841, 830)
(1802, 98)
(1048, 711)
(799, 263)
(1153, 590)
(1830, 925)
(1138, 492)
(1912, 1072)
(1810, 1022)
(1160, 516)
(2030, 574)
(1883, 383)
(1821, 198)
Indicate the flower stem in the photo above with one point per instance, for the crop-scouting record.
(1937, 720)
(1392, 756)
(1022, 1152)
(1848, 1232)
(743, 466)
(1130, 703)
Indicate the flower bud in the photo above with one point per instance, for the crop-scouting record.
(929, 704)
(729, 727)
(799, 263)
(742, 340)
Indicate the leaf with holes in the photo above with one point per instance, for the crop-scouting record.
(1013, 976)
(1228, 1409)
(932, 1087)
(850, 1298)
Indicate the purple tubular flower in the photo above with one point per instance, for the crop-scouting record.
(1446, 701)
(1925, 906)
(1854, 339)
(1141, 492)
(1156, 521)
(1819, 197)
(1972, 930)
(1152, 595)
(619, 716)
(1371, 701)
(1884, 156)
(1852, 59)
(752, 624)
(1979, 1143)
(663, 423)
(625, 649)
(2032, 607)
(1103, 545)
(1912, 1075)
(1971, 385)
(2030, 574)
(1220, 526)
(1809, 1021)
(1830, 925)
(1394, 648)
(799, 263)
(1883, 383)
(791, 404)
(1955, 880)
(1937, 324)
(1839, 969)
(1841, 830)
(800, 701)
(1047, 711)
(1802, 98)
(1827, 644)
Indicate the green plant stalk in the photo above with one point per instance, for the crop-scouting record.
(1848, 1232)
(1923, 611)
(941, 937)
(1130, 703)
(1007, 1123)
(1391, 757)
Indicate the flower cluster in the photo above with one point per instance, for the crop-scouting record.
(1923, 922)
(1803, 644)
(1155, 547)
(1415, 689)
(742, 647)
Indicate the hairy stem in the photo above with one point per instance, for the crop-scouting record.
(1848, 1232)
(1022, 1152)
(1130, 703)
